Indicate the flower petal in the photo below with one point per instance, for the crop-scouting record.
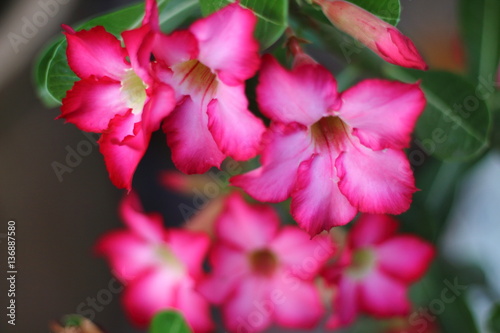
(405, 257)
(259, 224)
(285, 147)
(95, 52)
(161, 104)
(139, 45)
(235, 129)
(300, 306)
(92, 103)
(194, 308)
(154, 291)
(151, 16)
(346, 304)
(317, 203)
(193, 147)
(178, 47)
(383, 113)
(190, 248)
(304, 95)
(227, 45)
(370, 230)
(383, 296)
(123, 157)
(396, 48)
(377, 182)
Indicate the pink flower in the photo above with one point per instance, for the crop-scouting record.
(158, 267)
(116, 96)
(261, 273)
(379, 36)
(207, 65)
(333, 154)
(375, 270)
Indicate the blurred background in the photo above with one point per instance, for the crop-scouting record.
(59, 221)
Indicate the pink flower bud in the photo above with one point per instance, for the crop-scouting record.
(379, 36)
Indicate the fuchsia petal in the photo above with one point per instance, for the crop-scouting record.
(241, 312)
(178, 47)
(274, 181)
(303, 95)
(160, 105)
(190, 248)
(377, 182)
(300, 305)
(151, 16)
(259, 224)
(298, 251)
(405, 257)
(396, 48)
(227, 45)
(317, 203)
(147, 226)
(128, 255)
(194, 308)
(154, 291)
(96, 52)
(230, 267)
(371, 230)
(383, 113)
(92, 103)
(383, 296)
(346, 304)
(193, 147)
(139, 45)
(123, 157)
(235, 129)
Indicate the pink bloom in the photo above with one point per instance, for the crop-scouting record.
(116, 96)
(375, 270)
(379, 36)
(261, 273)
(158, 267)
(333, 154)
(207, 65)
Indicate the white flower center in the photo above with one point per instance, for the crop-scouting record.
(170, 260)
(134, 90)
(195, 79)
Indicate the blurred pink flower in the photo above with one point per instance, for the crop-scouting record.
(375, 270)
(158, 267)
(333, 154)
(207, 65)
(262, 273)
(116, 96)
(379, 36)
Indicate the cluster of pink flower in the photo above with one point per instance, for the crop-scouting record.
(334, 154)
(262, 273)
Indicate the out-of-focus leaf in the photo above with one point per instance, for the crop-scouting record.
(272, 15)
(456, 123)
(169, 322)
(481, 33)
(494, 320)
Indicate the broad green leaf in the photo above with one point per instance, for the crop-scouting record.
(456, 123)
(52, 73)
(272, 15)
(169, 322)
(480, 26)
(387, 10)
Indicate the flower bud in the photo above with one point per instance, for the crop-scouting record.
(379, 36)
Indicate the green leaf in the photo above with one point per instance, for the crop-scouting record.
(456, 123)
(272, 15)
(387, 10)
(494, 320)
(481, 33)
(53, 76)
(169, 322)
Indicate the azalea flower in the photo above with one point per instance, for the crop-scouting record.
(333, 154)
(158, 267)
(117, 94)
(379, 36)
(262, 273)
(207, 65)
(375, 270)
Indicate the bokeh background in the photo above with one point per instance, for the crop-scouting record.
(59, 221)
